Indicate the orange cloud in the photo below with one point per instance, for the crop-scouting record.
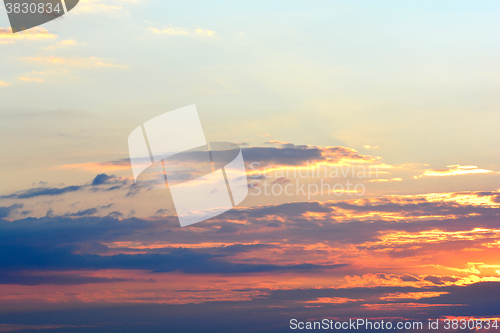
(38, 33)
(396, 306)
(94, 6)
(454, 170)
(384, 180)
(413, 295)
(333, 300)
(92, 62)
(27, 79)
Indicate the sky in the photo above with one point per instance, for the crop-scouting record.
(370, 137)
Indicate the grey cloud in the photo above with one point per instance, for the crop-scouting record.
(5, 211)
(101, 179)
(41, 191)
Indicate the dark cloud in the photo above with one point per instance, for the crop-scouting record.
(408, 278)
(5, 211)
(162, 211)
(85, 212)
(91, 211)
(281, 180)
(133, 190)
(77, 240)
(271, 311)
(30, 279)
(440, 279)
(97, 184)
(57, 246)
(115, 214)
(63, 244)
(282, 156)
(114, 183)
(101, 179)
(41, 191)
(16, 257)
(415, 207)
(287, 154)
(228, 229)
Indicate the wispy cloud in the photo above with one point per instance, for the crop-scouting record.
(28, 79)
(42, 191)
(91, 62)
(170, 31)
(381, 180)
(454, 170)
(37, 33)
(5, 211)
(183, 31)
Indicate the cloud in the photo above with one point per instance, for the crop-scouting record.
(95, 6)
(162, 211)
(34, 34)
(5, 211)
(258, 158)
(170, 31)
(200, 31)
(4, 84)
(101, 179)
(282, 144)
(300, 259)
(440, 279)
(454, 170)
(270, 308)
(63, 44)
(281, 156)
(41, 191)
(182, 31)
(92, 62)
(121, 164)
(27, 79)
(309, 157)
(67, 42)
(85, 212)
(101, 182)
(379, 180)
(17, 257)
(372, 223)
(34, 279)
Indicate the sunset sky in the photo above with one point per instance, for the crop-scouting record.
(398, 99)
